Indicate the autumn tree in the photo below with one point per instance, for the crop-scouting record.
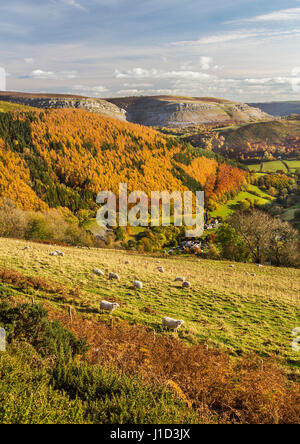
(13, 220)
(267, 238)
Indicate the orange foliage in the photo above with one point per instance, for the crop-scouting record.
(201, 168)
(86, 153)
(15, 181)
(228, 178)
(222, 389)
(98, 153)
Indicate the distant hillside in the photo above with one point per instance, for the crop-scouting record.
(159, 111)
(278, 137)
(65, 157)
(279, 108)
(171, 111)
(41, 100)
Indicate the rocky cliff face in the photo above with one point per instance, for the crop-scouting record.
(48, 101)
(183, 111)
(160, 111)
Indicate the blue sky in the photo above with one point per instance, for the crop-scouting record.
(242, 50)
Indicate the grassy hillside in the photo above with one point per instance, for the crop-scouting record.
(276, 165)
(7, 106)
(232, 361)
(224, 307)
(259, 198)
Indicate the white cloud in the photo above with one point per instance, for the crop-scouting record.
(217, 38)
(205, 62)
(290, 14)
(137, 85)
(237, 36)
(50, 75)
(90, 89)
(129, 92)
(140, 73)
(258, 81)
(136, 73)
(270, 80)
(40, 74)
(75, 4)
(191, 75)
(147, 92)
(28, 60)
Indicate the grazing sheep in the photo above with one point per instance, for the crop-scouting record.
(173, 324)
(57, 253)
(108, 306)
(253, 274)
(26, 248)
(113, 276)
(186, 284)
(161, 269)
(98, 272)
(231, 266)
(127, 262)
(259, 265)
(180, 279)
(138, 285)
(247, 274)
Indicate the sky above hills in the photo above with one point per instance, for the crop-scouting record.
(246, 50)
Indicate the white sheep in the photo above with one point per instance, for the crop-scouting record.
(113, 276)
(180, 279)
(173, 324)
(98, 272)
(108, 306)
(231, 266)
(138, 285)
(26, 248)
(57, 253)
(186, 284)
(161, 269)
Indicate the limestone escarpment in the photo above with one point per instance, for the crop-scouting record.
(170, 111)
(98, 106)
